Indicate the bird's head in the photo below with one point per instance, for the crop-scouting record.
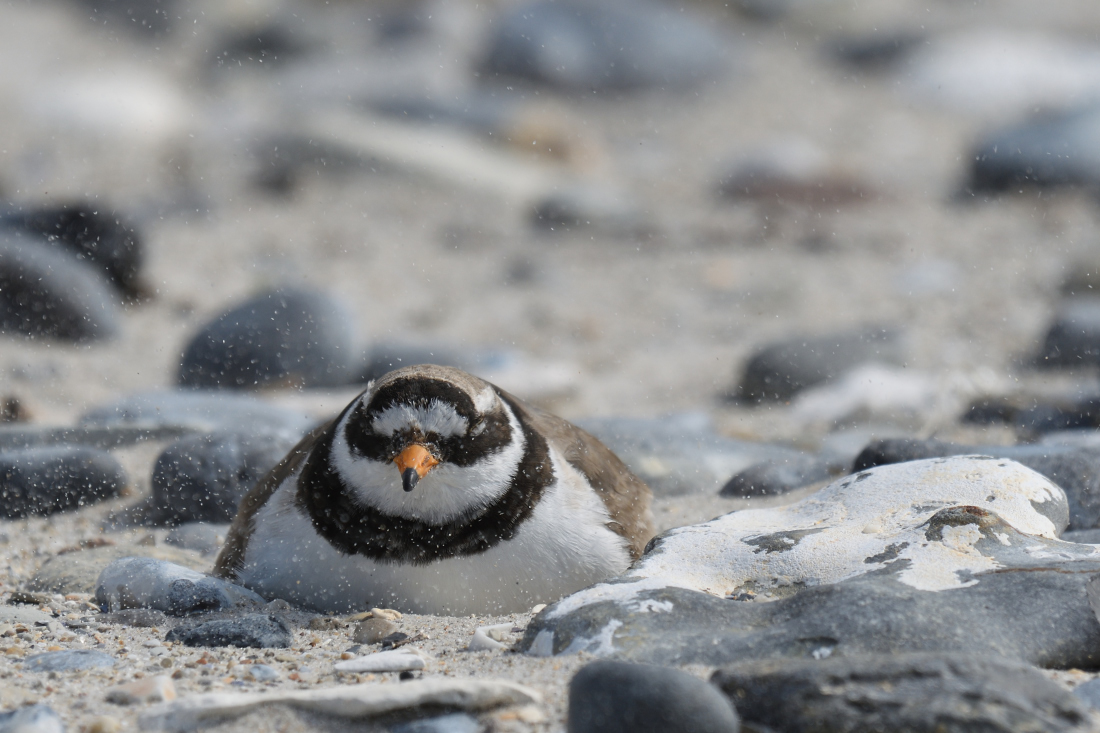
(428, 442)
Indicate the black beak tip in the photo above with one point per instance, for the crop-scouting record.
(409, 479)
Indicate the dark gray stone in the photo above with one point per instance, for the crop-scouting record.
(142, 582)
(680, 454)
(202, 478)
(905, 558)
(1048, 151)
(42, 481)
(1083, 536)
(781, 370)
(779, 476)
(199, 411)
(605, 44)
(105, 239)
(257, 631)
(617, 697)
(141, 618)
(1076, 470)
(45, 291)
(919, 693)
(199, 536)
(1089, 693)
(68, 661)
(1073, 339)
(144, 17)
(287, 336)
(31, 719)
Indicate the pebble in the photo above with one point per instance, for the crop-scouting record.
(42, 481)
(104, 724)
(604, 44)
(67, 661)
(45, 291)
(608, 210)
(202, 478)
(283, 337)
(150, 689)
(1073, 337)
(200, 411)
(359, 702)
(257, 631)
(203, 537)
(31, 719)
(107, 240)
(910, 692)
(373, 630)
(263, 673)
(141, 582)
(1089, 692)
(396, 660)
(779, 371)
(791, 171)
(617, 697)
(489, 638)
(781, 581)
(779, 476)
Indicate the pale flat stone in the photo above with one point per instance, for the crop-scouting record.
(395, 660)
(489, 638)
(346, 701)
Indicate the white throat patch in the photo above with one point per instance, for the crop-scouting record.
(446, 493)
(438, 417)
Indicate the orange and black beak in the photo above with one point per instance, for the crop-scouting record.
(414, 463)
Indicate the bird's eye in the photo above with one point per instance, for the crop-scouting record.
(477, 429)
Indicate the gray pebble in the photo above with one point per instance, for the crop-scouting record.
(31, 719)
(258, 631)
(42, 481)
(373, 630)
(67, 661)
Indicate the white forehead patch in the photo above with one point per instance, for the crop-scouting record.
(485, 400)
(438, 417)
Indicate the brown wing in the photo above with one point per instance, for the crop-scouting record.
(231, 557)
(625, 495)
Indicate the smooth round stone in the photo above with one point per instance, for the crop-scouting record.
(777, 476)
(104, 239)
(617, 697)
(42, 481)
(780, 370)
(604, 44)
(1073, 338)
(31, 719)
(67, 661)
(373, 630)
(257, 631)
(202, 410)
(202, 478)
(289, 336)
(46, 291)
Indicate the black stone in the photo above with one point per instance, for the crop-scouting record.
(45, 291)
(1073, 339)
(876, 52)
(288, 336)
(1076, 470)
(266, 47)
(202, 478)
(105, 239)
(917, 693)
(1047, 151)
(257, 631)
(41, 481)
(617, 697)
(779, 476)
(603, 45)
(780, 370)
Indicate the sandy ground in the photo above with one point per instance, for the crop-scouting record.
(650, 322)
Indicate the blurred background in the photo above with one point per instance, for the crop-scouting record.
(800, 223)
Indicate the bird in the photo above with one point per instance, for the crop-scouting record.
(436, 492)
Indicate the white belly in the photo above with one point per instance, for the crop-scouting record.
(564, 546)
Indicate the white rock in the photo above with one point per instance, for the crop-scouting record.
(395, 660)
(488, 638)
(826, 537)
(868, 390)
(345, 701)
